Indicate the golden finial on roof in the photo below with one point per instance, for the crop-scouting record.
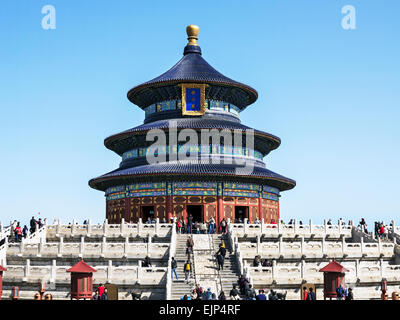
(192, 32)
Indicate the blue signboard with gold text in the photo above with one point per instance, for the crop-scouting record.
(193, 99)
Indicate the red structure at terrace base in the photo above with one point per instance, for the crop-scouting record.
(81, 281)
(334, 275)
(1, 280)
(192, 96)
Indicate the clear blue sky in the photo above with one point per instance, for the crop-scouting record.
(331, 95)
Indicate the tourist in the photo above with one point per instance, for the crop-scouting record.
(214, 297)
(203, 228)
(340, 292)
(18, 233)
(272, 295)
(234, 294)
(223, 226)
(96, 295)
(329, 223)
(363, 225)
(163, 220)
(100, 289)
(211, 226)
(32, 225)
(199, 291)
(197, 227)
(190, 242)
(147, 262)
(222, 249)
(190, 223)
(305, 293)
(256, 261)
(220, 261)
(189, 251)
(350, 294)
(179, 226)
(257, 221)
(261, 295)
(187, 269)
(207, 295)
(39, 223)
(250, 293)
(173, 269)
(104, 296)
(311, 295)
(25, 231)
(222, 296)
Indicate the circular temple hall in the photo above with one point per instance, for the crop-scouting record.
(192, 97)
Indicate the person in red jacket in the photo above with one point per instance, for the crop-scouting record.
(18, 233)
(100, 289)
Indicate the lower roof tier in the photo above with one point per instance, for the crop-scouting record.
(126, 140)
(167, 171)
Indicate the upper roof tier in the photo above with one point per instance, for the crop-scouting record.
(192, 68)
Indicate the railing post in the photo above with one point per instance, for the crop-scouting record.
(258, 244)
(280, 245)
(139, 226)
(103, 246)
(53, 272)
(60, 247)
(157, 226)
(245, 226)
(27, 269)
(122, 226)
(394, 232)
(262, 226)
(58, 229)
(273, 269)
(279, 227)
(126, 246)
(357, 269)
(105, 227)
(148, 244)
(89, 228)
(294, 226)
(311, 227)
(139, 270)
(362, 245)
(109, 271)
(21, 247)
(343, 245)
(82, 246)
(302, 246)
(325, 227)
(40, 247)
(340, 226)
(73, 228)
(379, 245)
(381, 267)
(323, 244)
(303, 267)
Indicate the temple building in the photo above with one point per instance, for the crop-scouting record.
(192, 97)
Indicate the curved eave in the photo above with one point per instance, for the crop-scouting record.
(135, 92)
(100, 183)
(110, 141)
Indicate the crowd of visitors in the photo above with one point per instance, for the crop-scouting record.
(207, 227)
(17, 233)
(101, 293)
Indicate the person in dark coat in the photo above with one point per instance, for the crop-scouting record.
(32, 224)
(222, 251)
(220, 261)
(311, 295)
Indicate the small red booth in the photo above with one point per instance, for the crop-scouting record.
(81, 281)
(334, 274)
(1, 279)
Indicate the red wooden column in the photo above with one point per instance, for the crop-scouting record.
(169, 204)
(260, 204)
(220, 205)
(1, 279)
(81, 281)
